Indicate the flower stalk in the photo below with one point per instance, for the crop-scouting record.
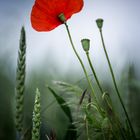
(84, 69)
(62, 19)
(86, 46)
(94, 73)
(100, 25)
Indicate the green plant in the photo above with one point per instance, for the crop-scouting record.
(36, 117)
(20, 81)
(89, 118)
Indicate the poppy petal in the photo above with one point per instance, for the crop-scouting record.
(44, 15)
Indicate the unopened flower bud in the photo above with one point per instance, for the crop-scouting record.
(100, 23)
(85, 44)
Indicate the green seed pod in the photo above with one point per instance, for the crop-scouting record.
(85, 44)
(100, 23)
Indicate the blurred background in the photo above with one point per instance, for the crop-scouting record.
(50, 56)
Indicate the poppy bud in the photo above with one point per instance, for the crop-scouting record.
(100, 23)
(85, 44)
(62, 18)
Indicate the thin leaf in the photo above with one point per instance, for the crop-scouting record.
(62, 104)
(82, 97)
(71, 133)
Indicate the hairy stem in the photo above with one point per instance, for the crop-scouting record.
(85, 72)
(94, 73)
(115, 84)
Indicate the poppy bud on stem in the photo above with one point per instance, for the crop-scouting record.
(63, 20)
(100, 23)
(85, 44)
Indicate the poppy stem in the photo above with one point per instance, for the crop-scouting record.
(94, 73)
(115, 84)
(84, 69)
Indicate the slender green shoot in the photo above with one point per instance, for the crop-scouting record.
(63, 20)
(100, 24)
(94, 73)
(86, 46)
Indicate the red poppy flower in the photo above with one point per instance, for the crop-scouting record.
(44, 15)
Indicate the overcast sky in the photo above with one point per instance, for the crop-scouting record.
(121, 33)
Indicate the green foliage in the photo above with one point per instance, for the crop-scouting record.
(20, 80)
(89, 122)
(7, 131)
(88, 118)
(67, 87)
(131, 89)
(71, 133)
(62, 104)
(36, 117)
